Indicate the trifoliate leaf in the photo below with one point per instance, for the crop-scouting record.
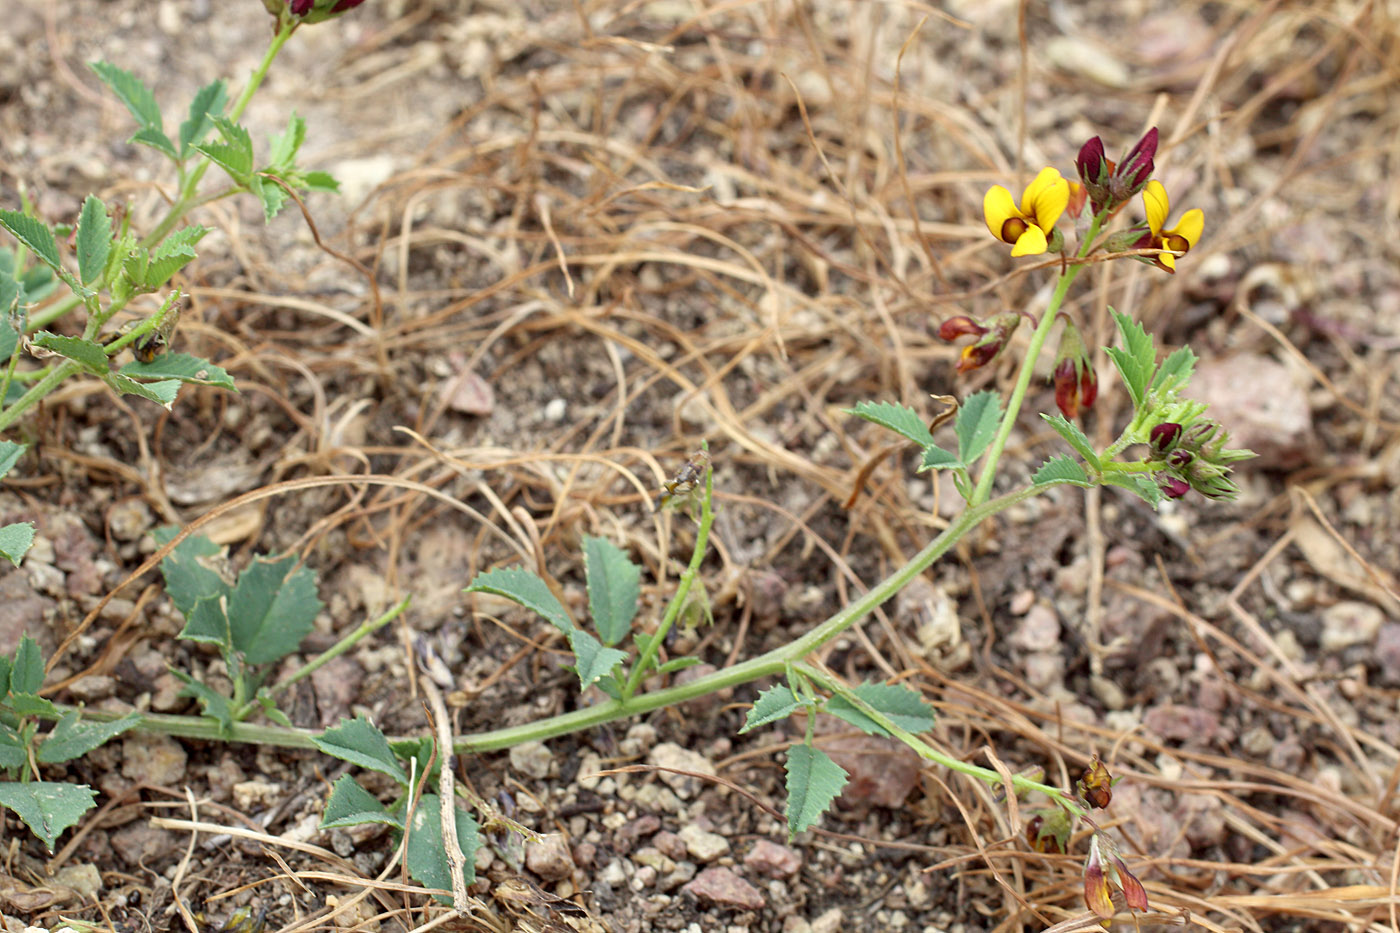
(591, 660)
(901, 705)
(1136, 358)
(272, 608)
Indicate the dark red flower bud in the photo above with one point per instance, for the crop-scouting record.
(1091, 163)
(342, 5)
(977, 355)
(960, 326)
(1088, 387)
(300, 7)
(1067, 388)
(1136, 168)
(1174, 487)
(1180, 458)
(1164, 437)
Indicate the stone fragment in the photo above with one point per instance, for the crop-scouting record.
(549, 857)
(724, 888)
(1276, 424)
(1349, 623)
(703, 845)
(881, 771)
(153, 759)
(771, 859)
(532, 759)
(141, 843)
(1183, 723)
(669, 755)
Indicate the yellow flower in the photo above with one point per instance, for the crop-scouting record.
(1179, 238)
(1026, 228)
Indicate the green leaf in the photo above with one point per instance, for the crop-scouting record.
(129, 89)
(350, 805)
(187, 578)
(591, 659)
(163, 393)
(901, 705)
(426, 855)
(1175, 370)
(1061, 469)
(976, 424)
(273, 196)
(34, 235)
(900, 419)
(1136, 358)
(773, 704)
(4, 677)
(420, 758)
(320, 181)
(155, 137)
(10, 452)
(181, 366)
(523, 587)
(87, 353)
(360, 742)
(27, 668)
(286, 145)
(1074, 437)
(15, 541)
(94, 239)
(207, 623)
(14, 753)
(614, 587)
(813, 781)
(936, 458)
(235, 154)
(29, 704)
(209, 102)
(172, 255)
(675, 664)
(73, 738)
(212, 704)
(272, 608)
(1138, 485)
(47, 808)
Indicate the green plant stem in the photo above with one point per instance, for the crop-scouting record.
(1023, 379)
(673, 611)
(774, 662)
(186, 200)
(1022, 784)
(37, 392)
(342, 646)
(198, 727)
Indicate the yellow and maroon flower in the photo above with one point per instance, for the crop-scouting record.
(1180, 238)
(991, 338)
(1105, 870)
(1028, 227)
(1096, 785)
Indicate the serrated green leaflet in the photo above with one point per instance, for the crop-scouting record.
(213, 705)
(130, 91)
(272, 608)
(155, 138)
(286, 145)
(10, 452)
(1074, 437)
(360, 742)
(272, 195)
(187, 578)
(209, 102)
(976, 424)
(163, 393)
(1175, 370)
(592, 660)
(29, 704)
(426, 855)
(897, 418)
(614, 587)
(350, 805)
(1136, 358)
(813, 782)
(936, 458)
(14, 753)
(899, 704)
(1061, 469)
(1138, 485)
(86, 353)
(172, 255)
(525, 588)
(320, 181)
(182, 366)
(73, 738)
(94, 239)
(773, 704)
(15, 541)
(34, 235)
(27, 667)
(47, 808)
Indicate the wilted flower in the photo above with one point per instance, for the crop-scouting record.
(1096, 784)
(1105, 870)
(1027, 228)
(1076, 382)
(1180, 238)
(992, 338)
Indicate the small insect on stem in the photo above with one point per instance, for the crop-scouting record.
(152, 344)
(687, 481)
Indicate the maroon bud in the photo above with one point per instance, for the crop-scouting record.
(960, 326)
(1088, 387)
(1174, 487)
(300, 7)
(1164, 437)
(342, 5)
(977, 355)
(1136, 167)
(1067, 388)
(1180, 458)
(1091, 164)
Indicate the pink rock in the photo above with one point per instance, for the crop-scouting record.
(1388, 652)
(881, 771)
(769, 858)
(1183, 723)
(724, 888)
(1276, 424)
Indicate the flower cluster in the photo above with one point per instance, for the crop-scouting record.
(991, 337)
(1194, 456)
(1109, 185)
(310, 11)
